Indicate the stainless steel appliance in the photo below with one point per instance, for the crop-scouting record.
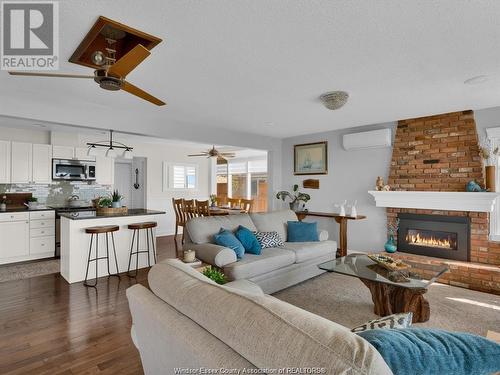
(73, 170)
(77, 211)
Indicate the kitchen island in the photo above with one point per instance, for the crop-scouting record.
(75, 242)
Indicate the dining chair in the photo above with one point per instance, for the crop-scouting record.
(203, 208)
(180, 219)
(233, 202)
(189, 209)
(246, 205)
(220, 201)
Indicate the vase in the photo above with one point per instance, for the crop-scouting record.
(296, 206)
(116, 204)
(390, 245)
(489, 172)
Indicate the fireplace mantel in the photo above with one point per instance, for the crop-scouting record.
(436, 200)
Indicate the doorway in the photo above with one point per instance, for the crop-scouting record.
(130, 181)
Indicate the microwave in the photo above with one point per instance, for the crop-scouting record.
(73, 170)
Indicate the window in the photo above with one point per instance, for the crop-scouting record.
(493, 135)
(180, 176)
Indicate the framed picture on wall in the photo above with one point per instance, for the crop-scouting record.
(311, 158)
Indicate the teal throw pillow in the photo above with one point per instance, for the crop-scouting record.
(299, 231)
(228, 239)
(248, 240)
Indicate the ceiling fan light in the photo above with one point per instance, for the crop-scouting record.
(127, 154)
(92, 151)
(111, 153)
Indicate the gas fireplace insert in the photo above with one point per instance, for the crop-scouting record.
(435, 235)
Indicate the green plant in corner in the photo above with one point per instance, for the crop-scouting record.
(215, 275)
(295, 197)
(105, 202)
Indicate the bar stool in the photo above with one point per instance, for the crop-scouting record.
(106, 229)
(136, 227)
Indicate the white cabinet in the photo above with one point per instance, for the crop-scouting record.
(4, 162)
(21, 166)
(14, 232)
(63, 152)
(42, 164)
(105, 170)
(81, 154)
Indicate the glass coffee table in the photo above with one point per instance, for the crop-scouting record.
(392, 291)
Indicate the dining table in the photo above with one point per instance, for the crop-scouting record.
(224, 211)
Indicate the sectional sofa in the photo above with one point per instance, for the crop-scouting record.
(273, 270)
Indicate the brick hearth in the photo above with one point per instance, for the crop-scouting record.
(441, 153)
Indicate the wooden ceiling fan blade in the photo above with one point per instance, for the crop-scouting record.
(134, 90)
(129, 61)
(57, 75)
(205, 154)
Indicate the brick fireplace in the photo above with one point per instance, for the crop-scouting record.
(441, 153)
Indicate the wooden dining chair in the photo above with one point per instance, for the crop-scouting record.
(189, 209)
(233, 202)
(246, 205)
(220, 201)
(203, 208)
(180, 219)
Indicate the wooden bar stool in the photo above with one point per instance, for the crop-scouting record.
(136, 227)
(107, 229)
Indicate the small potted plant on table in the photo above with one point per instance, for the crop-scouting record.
(296, 198)
(116, 199)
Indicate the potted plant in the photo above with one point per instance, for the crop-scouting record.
(32, 202)
(213, 200)
(215, 275)
(296, 198)
(104, 202)
(391, 246)
(116, 199)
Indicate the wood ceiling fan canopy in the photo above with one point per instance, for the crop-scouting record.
(113, 50)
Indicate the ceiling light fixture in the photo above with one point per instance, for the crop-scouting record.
(111, 146)
(334, 99)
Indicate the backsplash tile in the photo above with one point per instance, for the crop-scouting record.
(58, 193)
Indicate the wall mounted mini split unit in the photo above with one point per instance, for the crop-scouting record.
(365, 140)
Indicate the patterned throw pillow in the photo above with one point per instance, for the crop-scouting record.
(396, 321)
(269, 239)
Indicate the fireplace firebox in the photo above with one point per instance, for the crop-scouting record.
(435, 235)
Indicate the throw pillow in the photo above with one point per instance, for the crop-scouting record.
(299, 231)
(398, 321)
(228, 239)
(432, 351)
(248, 240)
(269, 239)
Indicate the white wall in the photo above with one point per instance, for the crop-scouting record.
(350, 176)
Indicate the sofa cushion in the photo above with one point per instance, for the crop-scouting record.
(253, 265)
(202, 229)
(228, 239)
(431, 351)
(248, 240)
(300, 231)
(310, 250)
(269, 239)
(268, 332)
(273, 221)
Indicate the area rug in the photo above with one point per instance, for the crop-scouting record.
(27, 270)
(347, 301)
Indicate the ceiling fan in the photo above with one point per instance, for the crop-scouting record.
(214, 153)
(108, 39)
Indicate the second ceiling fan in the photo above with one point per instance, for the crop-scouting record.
(214, 153)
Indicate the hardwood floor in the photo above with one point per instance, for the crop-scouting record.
(48, 326)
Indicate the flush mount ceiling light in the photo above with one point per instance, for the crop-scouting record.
(111, 148)
(334, 99)
(476, 80)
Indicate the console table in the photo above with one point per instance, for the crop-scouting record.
(341, 220)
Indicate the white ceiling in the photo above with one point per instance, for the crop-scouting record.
(239, 65)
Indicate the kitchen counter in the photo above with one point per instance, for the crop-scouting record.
(75, 242)
(92, 214)
(26, 209)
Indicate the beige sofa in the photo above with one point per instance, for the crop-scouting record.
(188, 322)
(275, 268)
